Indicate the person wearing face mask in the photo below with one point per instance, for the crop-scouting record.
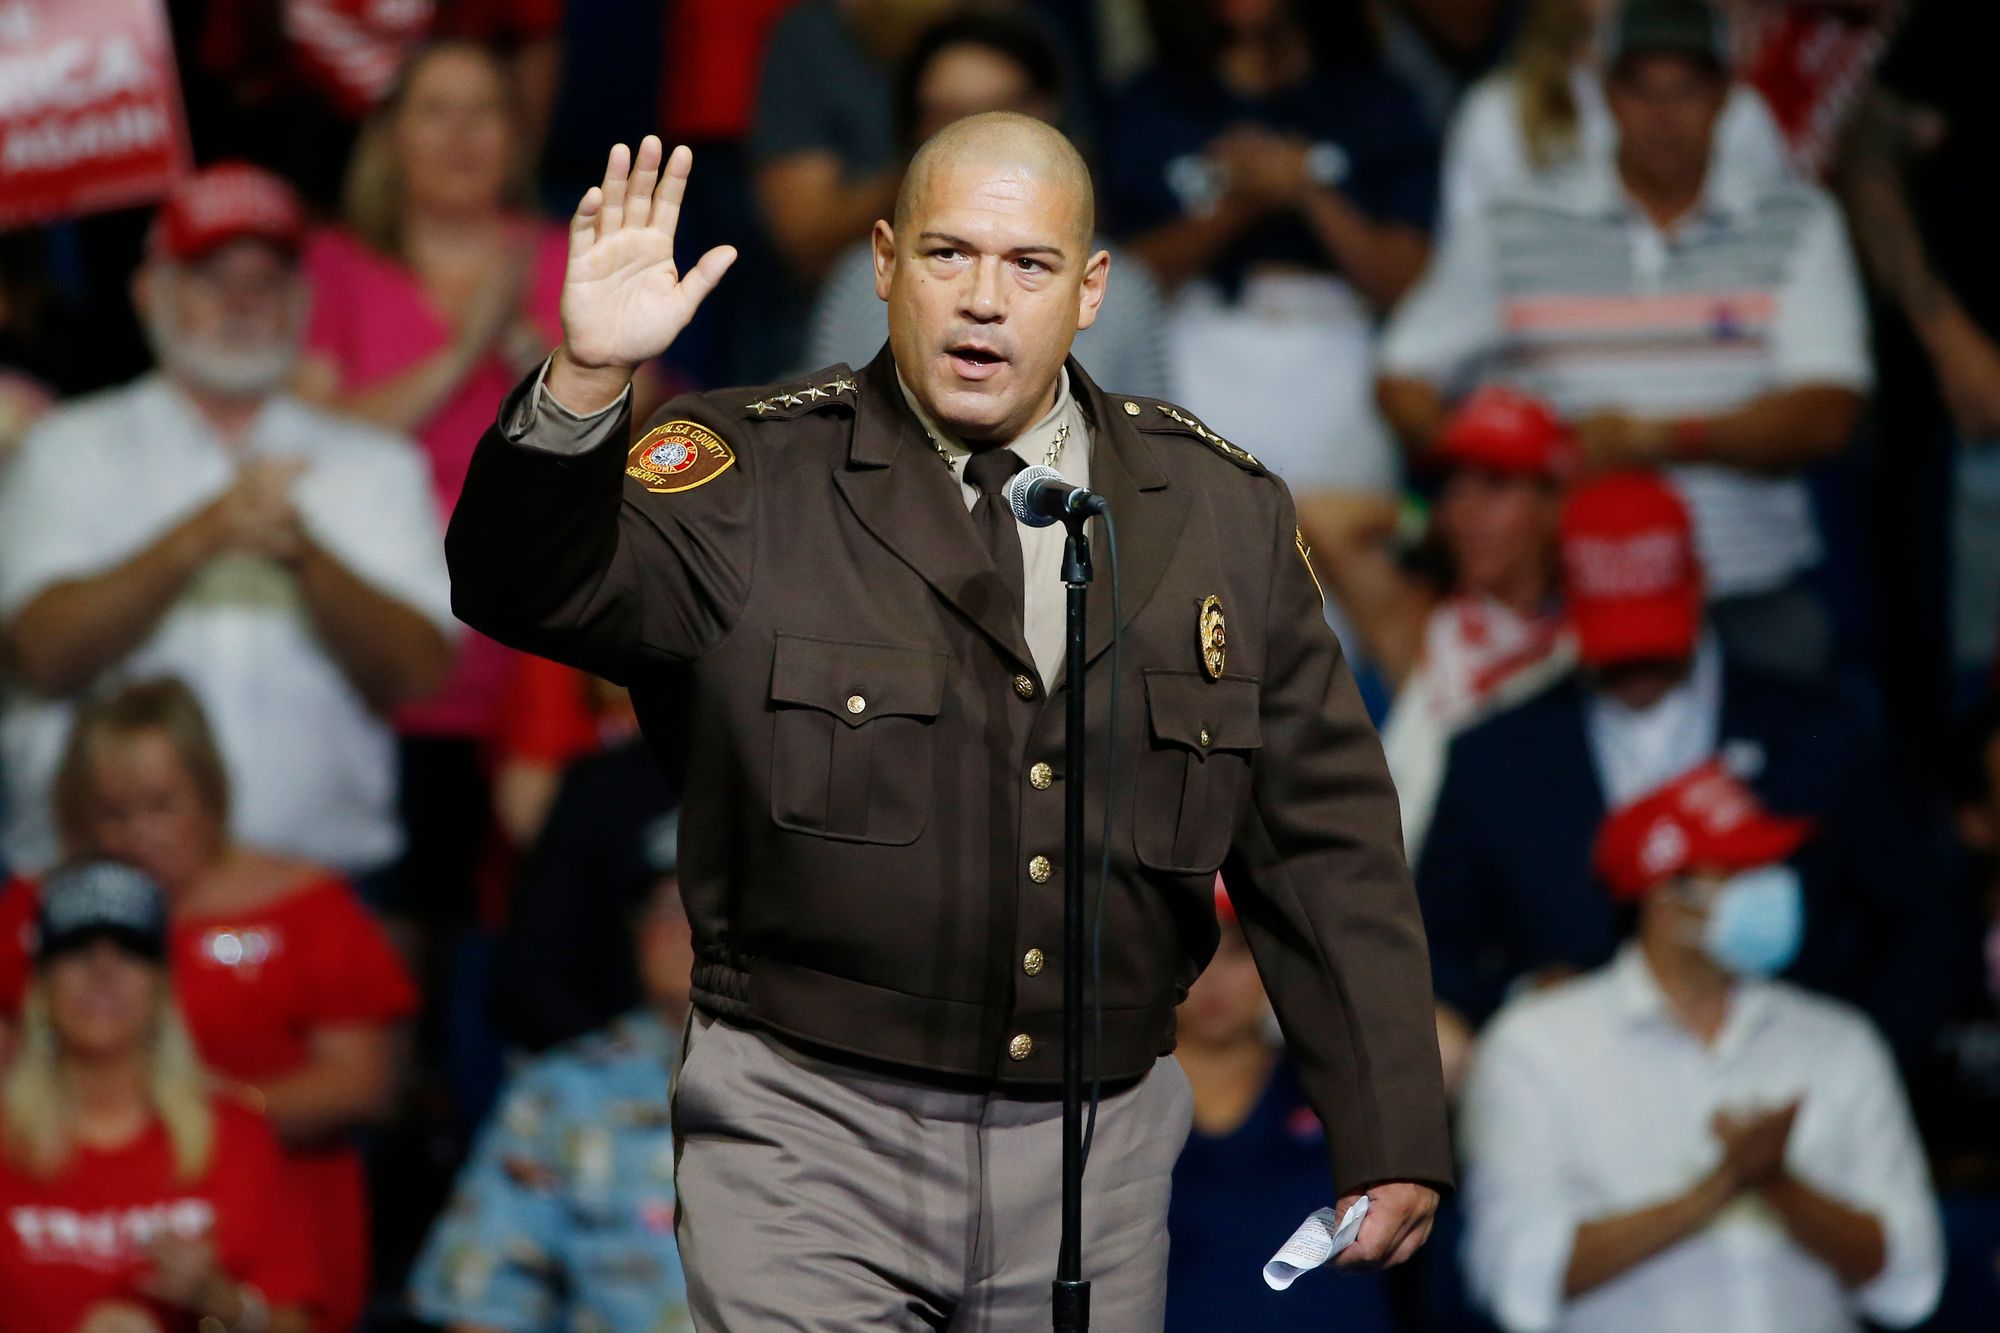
(201, 522)
(852, 656)
(1676, 1141)
(1505, 875)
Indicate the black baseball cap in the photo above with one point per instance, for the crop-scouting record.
(1691, 28)
(101, 900)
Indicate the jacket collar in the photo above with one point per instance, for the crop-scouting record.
(907, 498)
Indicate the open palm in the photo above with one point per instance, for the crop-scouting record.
(623, 300)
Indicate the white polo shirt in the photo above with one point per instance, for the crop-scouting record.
(1570, 292)
(312, 769)
(1591, 1100)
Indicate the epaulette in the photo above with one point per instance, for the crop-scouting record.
(1168, 419)
(789, 400)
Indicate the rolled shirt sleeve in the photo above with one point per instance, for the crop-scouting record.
(1888, 1177)
(1520, 1223)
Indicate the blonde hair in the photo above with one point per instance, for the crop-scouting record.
(1543, 63)
(165, 705)
(37, 1115)
(372, 194)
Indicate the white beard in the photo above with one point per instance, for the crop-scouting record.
(216, 368)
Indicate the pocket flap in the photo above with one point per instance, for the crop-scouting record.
(1187, 707)
(857, 682)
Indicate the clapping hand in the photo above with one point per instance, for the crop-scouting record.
(185, 1273)
(1262, 167)
(257, 514)
(118, 1317)
(1753, 1144)
(623, 299)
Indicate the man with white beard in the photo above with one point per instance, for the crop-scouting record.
(200, 522)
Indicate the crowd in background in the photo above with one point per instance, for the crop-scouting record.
(1635, 365)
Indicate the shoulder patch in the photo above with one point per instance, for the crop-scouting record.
(837, 388)
(678, 456)
(1179, 422)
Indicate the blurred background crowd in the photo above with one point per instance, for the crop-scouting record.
(1635, 365)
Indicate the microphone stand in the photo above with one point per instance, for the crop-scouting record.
(1071, 1294)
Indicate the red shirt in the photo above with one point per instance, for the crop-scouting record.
(253, 986)
(79, 1238)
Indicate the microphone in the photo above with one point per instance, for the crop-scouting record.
(1039, 496)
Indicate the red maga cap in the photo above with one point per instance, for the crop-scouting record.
(227, 202)
(1504, 430)
(1704, 819)
(1630, 574)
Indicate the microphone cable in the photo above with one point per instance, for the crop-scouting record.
(1104, 857)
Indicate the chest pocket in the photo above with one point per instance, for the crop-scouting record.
(852, 742)
(1192, 777)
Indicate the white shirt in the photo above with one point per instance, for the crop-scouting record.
(1569, 291)
(1637, 750)
(312, 769)
(1486, 151)
(1591, 1100)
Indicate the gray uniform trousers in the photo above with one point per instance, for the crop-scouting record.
(817, 1196)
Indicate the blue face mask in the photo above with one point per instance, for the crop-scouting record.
(1755, 921)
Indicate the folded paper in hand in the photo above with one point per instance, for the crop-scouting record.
(1316, 1241)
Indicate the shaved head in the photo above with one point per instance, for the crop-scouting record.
(1007, 143)
(988, 272)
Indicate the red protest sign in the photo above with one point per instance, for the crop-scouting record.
(90, 107)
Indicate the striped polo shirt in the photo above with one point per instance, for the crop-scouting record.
(1570, 292)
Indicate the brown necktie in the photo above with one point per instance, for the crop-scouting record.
(988, 472)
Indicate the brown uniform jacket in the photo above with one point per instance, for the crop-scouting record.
(871, 835)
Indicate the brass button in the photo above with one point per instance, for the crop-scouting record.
(1131, 408)
(1041, 777)
(1203, 738)
(1039, 870)
(1021, 1047)
(855, 703)
(1024, 687)
(1034, 962)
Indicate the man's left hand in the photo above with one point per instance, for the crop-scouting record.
(1397, 1225)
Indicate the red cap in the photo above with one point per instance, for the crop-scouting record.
(1504, 430)
(1705, 818)
(226, 202)
(1630, 573)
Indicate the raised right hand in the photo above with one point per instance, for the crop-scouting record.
(623, 300)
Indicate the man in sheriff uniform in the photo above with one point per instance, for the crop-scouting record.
(830, 624)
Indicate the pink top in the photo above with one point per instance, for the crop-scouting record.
(373, 320)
